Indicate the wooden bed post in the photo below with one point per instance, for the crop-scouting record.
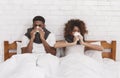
(6, 50)
(7, 47)
(113, 50)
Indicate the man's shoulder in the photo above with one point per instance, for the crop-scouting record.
(25, 37)
(51, 35)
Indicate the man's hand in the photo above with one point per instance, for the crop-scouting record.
(42, 33)
(47, 47)
(29, 47)
(32, 34)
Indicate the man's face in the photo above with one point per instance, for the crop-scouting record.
(38, 23)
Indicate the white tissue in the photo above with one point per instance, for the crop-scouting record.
(78, 34)
(37, 28)
(37, 31)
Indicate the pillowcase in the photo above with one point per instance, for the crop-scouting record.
(19, 51)
(97, 55)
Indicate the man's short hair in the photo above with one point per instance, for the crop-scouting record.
(38, 18)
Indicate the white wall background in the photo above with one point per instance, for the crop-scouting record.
(102, 18)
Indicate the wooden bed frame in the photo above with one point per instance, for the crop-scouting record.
(11, 49)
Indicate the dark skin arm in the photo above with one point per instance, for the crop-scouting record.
(93, 47)
(47, 47)
(89, 46)
(29, 47)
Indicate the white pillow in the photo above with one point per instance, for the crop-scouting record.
(19, 48)
(94, 53)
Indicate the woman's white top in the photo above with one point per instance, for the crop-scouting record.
(76, 49)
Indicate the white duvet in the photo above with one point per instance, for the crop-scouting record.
(81, 66)
(48, 66)
(29, 66)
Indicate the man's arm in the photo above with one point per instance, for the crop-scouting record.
(47, 47)
(29, 47)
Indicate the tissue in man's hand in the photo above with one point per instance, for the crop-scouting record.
(37, 31)
(37, 28)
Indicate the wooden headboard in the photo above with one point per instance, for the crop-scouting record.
(111, 47)
(11, 48)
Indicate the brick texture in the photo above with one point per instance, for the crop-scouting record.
(102, 18)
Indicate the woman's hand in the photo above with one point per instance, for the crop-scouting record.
(81, 39)
(76, 39)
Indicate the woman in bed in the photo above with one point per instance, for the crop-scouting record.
(74, 33)
(75, 64)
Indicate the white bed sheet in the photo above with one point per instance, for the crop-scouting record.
(112, 67)
(28, 66)
(79, 66)
(71, 66)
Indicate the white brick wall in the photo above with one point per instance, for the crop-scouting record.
(102, 18)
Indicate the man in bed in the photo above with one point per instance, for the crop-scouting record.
(38, 39)
(37, 46)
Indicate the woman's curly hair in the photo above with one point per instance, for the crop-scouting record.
(69, 26)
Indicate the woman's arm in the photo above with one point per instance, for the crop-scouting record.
(63, 43)
(92, 46)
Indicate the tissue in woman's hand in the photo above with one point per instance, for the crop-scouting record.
(76, 34)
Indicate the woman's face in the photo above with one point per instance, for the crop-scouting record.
(75, 29)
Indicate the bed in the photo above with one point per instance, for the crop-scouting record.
(69, 67)
(11, 48)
